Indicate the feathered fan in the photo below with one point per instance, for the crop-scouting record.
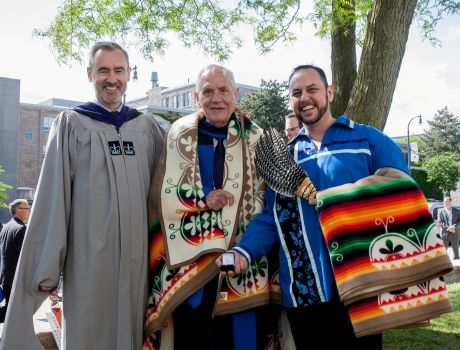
(279, 170)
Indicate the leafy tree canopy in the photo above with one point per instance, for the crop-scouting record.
(3, 188)
(442, 136)
(210, 24)
(443, 170)
(429, 188)
(269, 105)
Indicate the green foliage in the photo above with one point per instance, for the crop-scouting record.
(443, 332)
(428, 14)
(342, 13)
(267, 106)
(444, 171)
(210, 24)
(328, 18)
(442, 136)
(430, 190)
(171, 117)
(207, 24)
(144, 23)
(3, 188)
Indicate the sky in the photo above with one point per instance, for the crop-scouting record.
(429, 78)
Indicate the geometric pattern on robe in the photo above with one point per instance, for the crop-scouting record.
(89, 221)
(386, 253)
(186, 236)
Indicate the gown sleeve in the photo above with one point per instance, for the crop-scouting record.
(44, 247)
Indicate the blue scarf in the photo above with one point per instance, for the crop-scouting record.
(206, 134)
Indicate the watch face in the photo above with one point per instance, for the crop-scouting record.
(228, 262)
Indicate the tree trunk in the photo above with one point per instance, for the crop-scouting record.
(343, 60)
(383, 51)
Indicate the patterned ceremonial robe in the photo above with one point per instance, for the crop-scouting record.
(186, 236)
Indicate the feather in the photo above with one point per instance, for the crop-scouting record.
(278, 168)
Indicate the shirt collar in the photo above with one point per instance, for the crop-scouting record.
(340, 121)
(109, 110)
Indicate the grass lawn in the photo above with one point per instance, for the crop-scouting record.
(442, 334)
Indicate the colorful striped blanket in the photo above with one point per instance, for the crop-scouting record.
(408, 307)
(385, 251)
(186, 236)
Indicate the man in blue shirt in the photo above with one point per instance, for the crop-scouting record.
(333, 152)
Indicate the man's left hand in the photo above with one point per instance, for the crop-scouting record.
(217, 199)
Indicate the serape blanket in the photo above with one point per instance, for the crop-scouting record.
(381, 237)
(186, 236)
(411, 306)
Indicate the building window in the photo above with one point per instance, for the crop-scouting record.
(174, 101)
(190, 101)
(186, 100)
(28, 136)
(47, 122)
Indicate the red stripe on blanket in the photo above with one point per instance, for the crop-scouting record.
(361, 217)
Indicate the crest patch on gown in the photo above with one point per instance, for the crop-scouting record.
(114, 147)
(128, 148)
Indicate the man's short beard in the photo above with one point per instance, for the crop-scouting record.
(321, 113)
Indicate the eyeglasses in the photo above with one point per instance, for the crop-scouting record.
(24, 208)
(291, 129)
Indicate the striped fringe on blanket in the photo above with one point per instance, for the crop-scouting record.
(386, 254)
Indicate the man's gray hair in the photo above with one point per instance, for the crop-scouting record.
(16, 204)
(106, 46)
(211, 68)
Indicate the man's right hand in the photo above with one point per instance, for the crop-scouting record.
(45, 289)
(241, 264)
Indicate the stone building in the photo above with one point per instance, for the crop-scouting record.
(178, 98)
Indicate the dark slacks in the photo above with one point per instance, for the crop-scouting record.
(195, 329)
(329, 325)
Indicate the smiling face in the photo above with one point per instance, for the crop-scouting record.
(109, 75)
(217, 97)
(309, 97)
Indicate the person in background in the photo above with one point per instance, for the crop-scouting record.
(207, 192)
(333, 152)
(449, 221)
(89, 219)
(292, 125)
(11, 238)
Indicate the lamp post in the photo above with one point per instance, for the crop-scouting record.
(135, 78)
(408, 141)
